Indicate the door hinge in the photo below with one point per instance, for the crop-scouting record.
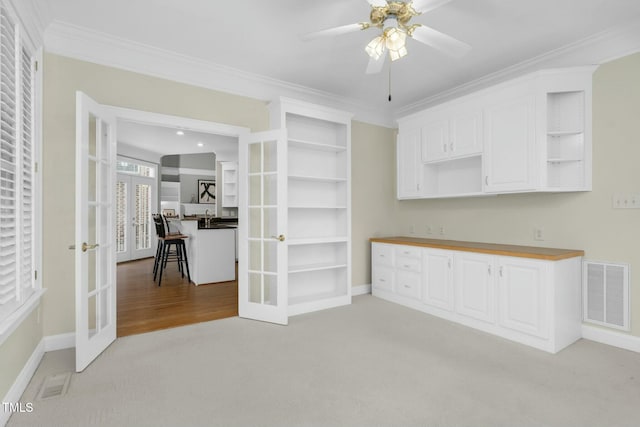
(35, 167)
(35, 274)
(35, 66)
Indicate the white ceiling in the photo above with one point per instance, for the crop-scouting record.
(264, 38)
(165, 140)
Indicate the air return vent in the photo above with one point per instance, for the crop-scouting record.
(605, 291)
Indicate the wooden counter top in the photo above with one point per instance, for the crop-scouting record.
(551, 254)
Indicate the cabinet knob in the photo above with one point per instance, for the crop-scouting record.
(486, 180)
(500, 271)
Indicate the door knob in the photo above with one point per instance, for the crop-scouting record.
(280, 237)
(85, 247)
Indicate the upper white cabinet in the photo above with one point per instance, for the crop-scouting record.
(409, 172)
(318, 195)
(509, 160)
(529, 134)
(452, 133)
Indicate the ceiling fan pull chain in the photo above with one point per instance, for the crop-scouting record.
(389, 82)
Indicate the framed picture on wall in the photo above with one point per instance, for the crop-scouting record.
(206, 191)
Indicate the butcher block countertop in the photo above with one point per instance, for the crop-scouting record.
(550, 254)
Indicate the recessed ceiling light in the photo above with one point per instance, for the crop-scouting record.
(180, 133)
(200, 144)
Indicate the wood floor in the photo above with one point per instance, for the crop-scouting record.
(145, 307)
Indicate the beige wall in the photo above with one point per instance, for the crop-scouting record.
(571, 220)
(16, 350)
(373, 192)
(62, 78)
(373, 149)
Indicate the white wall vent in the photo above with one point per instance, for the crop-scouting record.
(605, 294)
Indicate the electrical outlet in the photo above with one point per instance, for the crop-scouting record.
(429, 229)
(442, 230)
(538, 233)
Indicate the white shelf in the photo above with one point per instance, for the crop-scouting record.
(315, 267)
(317, 240)
(559, 160)
(564, 132)
(317, 178)
(315, 145)
(317, 207)
(314, 298)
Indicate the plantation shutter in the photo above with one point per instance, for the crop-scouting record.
(27, 209)
(16, 167)
(8, 167)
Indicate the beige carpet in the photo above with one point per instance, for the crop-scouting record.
(373, 363)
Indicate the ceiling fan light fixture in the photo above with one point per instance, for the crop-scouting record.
(395, 38)
(375, 48)
(397, 53)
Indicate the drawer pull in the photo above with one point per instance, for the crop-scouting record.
(382, 280)
(407, 286)
(407, 266)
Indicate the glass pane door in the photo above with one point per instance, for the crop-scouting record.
(263, 260)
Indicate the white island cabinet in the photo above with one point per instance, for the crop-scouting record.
(525, 294)
(211, 253)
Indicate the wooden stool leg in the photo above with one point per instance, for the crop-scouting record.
(186, 261)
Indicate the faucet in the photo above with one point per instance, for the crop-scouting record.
(207, 221)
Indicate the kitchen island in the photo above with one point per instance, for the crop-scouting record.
(211, 251)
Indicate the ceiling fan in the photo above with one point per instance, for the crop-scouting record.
(392, 17)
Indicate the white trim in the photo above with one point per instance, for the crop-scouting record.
(59, 342)
(15, 319)
(360, 290)
(86, 44)
(597, 49)
(33, 18)
(610, 337)
(186, 171)
(22, 381)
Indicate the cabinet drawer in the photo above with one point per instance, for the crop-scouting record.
(408, 284)
(382, 278)
(408, 264)
(408, 251)
(381, 254)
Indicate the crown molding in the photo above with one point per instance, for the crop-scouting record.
(85, 44)
(594, 50)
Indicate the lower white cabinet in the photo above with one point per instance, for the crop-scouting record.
(437, 268)
(475, 286)
(532, 301)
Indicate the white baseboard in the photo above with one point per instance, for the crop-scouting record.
(20, 384)
(613, 338)
(59, 342)
(360, 290)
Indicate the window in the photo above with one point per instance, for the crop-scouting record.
(16, 167)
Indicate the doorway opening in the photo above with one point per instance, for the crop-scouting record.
(142, 305)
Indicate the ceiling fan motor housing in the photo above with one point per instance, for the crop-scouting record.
(401, 11)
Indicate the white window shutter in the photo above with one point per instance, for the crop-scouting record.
(9, 179)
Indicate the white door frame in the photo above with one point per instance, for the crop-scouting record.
(157, 119)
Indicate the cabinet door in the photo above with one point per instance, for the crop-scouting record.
(509, 145)
(409, 173)
(466, 133)
(474, 285)
(438, 278)
(435, 140)
(522, 296)
(382, 278)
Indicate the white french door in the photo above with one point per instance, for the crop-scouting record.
(95, 251)
(262, 263)
(136, 200)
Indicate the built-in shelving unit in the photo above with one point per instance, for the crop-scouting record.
(566, 139)
(229, 184)
(318, 193)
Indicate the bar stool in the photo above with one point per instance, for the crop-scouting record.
(171, 247)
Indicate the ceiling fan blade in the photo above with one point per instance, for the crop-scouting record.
(336, 31)
(375, 65)
(423, 6)
(377, 3)
(440, 41)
